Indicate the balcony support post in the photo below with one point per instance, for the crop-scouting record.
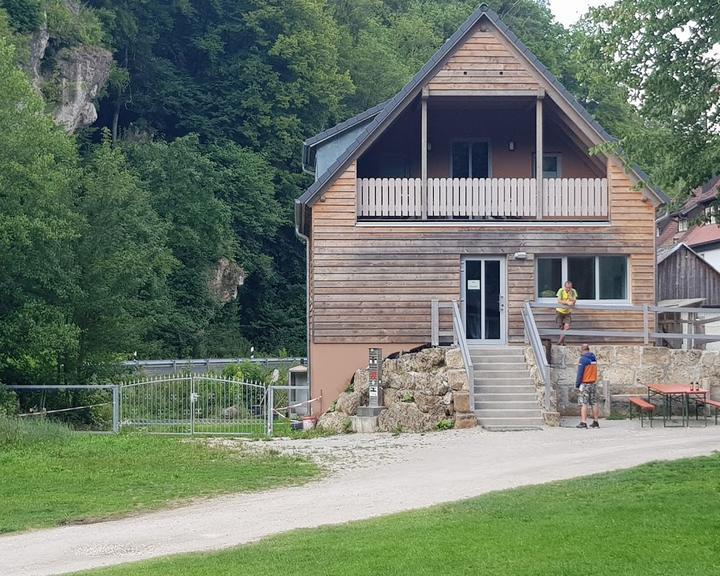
(423, 152)
(539, 153)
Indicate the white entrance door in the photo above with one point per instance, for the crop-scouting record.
(484, 295)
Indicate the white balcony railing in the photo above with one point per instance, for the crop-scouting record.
(484, 198)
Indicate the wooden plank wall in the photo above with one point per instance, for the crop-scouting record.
(686, 275)
(483, 62)
(375, 283)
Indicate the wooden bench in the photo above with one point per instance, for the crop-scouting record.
(643, 406)
(710, 404)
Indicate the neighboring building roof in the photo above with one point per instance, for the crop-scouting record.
(396, 104)
(368, 114)
(701, 195)
(708, 234)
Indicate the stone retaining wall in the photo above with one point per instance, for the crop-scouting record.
(422, 391)
(626, 371)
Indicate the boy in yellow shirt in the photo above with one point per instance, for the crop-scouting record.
(567, 296)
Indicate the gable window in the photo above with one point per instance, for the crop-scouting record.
(596, 278)
(682, 225)
(551, 166)
(470, 159)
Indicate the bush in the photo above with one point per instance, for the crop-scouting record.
(446, 424)
(25, 15)
(247, 372)
(17, 432)
(8, 401)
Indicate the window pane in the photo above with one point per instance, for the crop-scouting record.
(460, 160)
(550, 167)
(581, 272)
(613, 277)
(480, 157)
(549, 277)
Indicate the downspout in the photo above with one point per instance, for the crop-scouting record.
(306, 241)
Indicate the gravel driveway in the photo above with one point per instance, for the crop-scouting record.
(369, 475)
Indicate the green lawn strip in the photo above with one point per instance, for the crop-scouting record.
(90, 477)
(658, 519)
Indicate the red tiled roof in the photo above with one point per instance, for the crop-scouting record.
(667, 236)
(702, 235)
(705, 193)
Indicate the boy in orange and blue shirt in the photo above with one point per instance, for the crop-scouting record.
(585, 383)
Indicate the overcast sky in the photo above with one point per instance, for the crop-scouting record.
(569, 11)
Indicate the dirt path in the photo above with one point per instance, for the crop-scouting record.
(370, 476)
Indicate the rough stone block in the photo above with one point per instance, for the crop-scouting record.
(454, 359)
(457, 379)
(551, 418)
(334, 422)
(655, 356)
(461, 401)
(630, 356)
(365, 424)
(348, 403)
(463, 421)
(404, 417)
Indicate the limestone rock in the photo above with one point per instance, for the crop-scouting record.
(454, 359)
(429, 358)
(225, 281)
(404, 417)
(84, 71)
(457, 379)
(334, 422)
(465, 421)
(348, 403)
(461, 400)
(361, 381)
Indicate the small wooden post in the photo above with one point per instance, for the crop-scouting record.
(435, 322)
(423, 153)
(539, 152)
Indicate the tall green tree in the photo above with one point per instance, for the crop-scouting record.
(38, 230)
(665, 52)
(124, 264)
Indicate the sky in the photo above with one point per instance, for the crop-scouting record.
(569, 11)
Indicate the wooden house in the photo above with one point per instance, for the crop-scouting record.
(473, 184)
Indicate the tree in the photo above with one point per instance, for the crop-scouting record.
(38, 231)
(665, 53)
(124, 264)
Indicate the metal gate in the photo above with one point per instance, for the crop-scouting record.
(194, 404)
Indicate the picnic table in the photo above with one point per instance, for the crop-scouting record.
(677, 395)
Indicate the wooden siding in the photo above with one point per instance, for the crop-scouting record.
(483, 62)
(684, 274)
(375, 283)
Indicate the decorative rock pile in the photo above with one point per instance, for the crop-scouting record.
(422, 391)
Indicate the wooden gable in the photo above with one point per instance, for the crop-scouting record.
(484, 62)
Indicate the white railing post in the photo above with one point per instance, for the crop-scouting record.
(434, 323)
(270, 405)
(646, 323)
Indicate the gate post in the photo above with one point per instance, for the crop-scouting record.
(116, 409)
(270, 404)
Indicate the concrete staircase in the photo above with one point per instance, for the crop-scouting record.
(505, 396)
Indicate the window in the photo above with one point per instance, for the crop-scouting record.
(551, 166)
(593, 277)
(710, 215)
(682, 225)
(470, 159)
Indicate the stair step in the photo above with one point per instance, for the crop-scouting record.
(503, 412)
(502, 377)
(479, 391)
(508, 352)
(509, 366)
(519, 396)
(512, 427)
(511, 405)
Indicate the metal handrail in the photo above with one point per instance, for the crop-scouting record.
(647, 333)
(461, 342)
(533, 336)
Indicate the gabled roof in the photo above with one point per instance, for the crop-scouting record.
(348, 124)
(396, 104)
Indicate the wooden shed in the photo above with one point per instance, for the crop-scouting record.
(683, 274)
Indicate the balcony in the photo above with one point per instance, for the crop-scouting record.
(482, 199)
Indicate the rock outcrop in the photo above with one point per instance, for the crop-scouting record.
(225, 281)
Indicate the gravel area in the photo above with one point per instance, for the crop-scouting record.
(368, 476)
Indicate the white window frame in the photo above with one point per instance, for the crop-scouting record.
(557, 155)
(471, 141)
(564, 266)
(683, 225)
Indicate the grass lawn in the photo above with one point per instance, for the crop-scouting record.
(658, 519)
(78, 477)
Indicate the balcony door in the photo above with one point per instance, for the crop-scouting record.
(484, 295)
